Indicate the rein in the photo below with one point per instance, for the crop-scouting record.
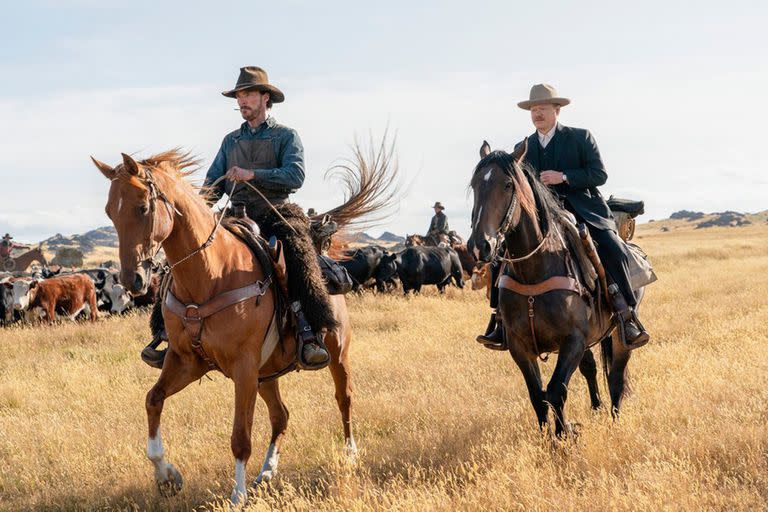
(506, 225)
(155, 193)
(193, 315)
(566, 283)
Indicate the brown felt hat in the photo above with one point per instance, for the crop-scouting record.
(253, 77)
(542, 94)
(439, 205)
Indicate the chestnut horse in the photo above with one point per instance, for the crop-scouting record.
(151, 206)
(21, 262)
(510, 203)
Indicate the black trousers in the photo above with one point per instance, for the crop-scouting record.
(612, 254)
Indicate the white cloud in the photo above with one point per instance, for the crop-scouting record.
(673, 147)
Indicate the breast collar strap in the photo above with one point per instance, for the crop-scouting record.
(193, 315)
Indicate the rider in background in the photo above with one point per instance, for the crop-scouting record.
(439, 224)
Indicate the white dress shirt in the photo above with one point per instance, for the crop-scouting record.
(544, 138)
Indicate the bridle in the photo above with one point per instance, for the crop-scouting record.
(506, 225)
(150, 255)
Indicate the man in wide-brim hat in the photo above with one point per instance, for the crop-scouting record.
(567, 159)
(269, 157)
(439, 223)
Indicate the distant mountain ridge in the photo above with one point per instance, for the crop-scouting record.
(391, 237)
(701, 220)
(100, 237)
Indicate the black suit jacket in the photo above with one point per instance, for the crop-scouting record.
(575, 153)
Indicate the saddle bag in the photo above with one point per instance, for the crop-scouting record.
(337, 279)
(640, 270)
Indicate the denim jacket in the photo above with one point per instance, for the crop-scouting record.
(289, 173)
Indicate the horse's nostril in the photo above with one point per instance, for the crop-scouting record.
(486, 247)
(138, 281)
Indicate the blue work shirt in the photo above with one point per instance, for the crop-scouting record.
(289, 152)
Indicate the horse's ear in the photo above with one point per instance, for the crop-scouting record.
(106, 170)
(520, 150)
(130, 165)
(485, 149)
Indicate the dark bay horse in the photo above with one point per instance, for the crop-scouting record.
(151, 206)
(510, 203)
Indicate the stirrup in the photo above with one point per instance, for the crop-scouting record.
(151, 355)
(304, 339)
(493, 338)
(621, 325)
(305, 336)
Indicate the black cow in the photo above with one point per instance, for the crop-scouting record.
(104, 280)
(362, 265)
(417, 266)
(6, 301)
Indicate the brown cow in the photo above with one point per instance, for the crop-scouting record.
(467, 259)
(70, 293)
(481, 277)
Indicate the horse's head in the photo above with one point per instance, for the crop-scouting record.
(141, 222)
(499, 188)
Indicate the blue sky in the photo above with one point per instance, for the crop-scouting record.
(672, 94)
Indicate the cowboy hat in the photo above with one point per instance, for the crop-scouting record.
(439, 205)
(542, 94)
(253, 77)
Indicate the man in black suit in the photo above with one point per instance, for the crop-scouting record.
(567, 159)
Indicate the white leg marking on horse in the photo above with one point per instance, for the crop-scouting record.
(156, 453)
(487, 175)
(269, 469)
(350, 448)
(239, 493)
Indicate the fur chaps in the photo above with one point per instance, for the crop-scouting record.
(305, 279)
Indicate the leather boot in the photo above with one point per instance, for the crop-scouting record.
(151, 355)
(632, 333)
(635, 335)
(314, 355)
(494, 334)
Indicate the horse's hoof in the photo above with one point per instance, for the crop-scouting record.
(350, 451)
(238, 497)
(171, 483)
(573, 430)
(264, 477)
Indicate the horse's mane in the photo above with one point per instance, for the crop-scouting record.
(176, 165)
(370, 181)
(535, 197)
(181, 163)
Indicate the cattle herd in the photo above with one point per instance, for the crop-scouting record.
(413, 267)
(43, 295)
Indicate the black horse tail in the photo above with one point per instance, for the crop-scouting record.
(606, 357)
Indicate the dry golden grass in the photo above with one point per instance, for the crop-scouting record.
(442, 423)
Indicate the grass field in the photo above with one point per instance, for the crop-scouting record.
(442, 423)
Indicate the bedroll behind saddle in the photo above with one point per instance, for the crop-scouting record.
(624, 212)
